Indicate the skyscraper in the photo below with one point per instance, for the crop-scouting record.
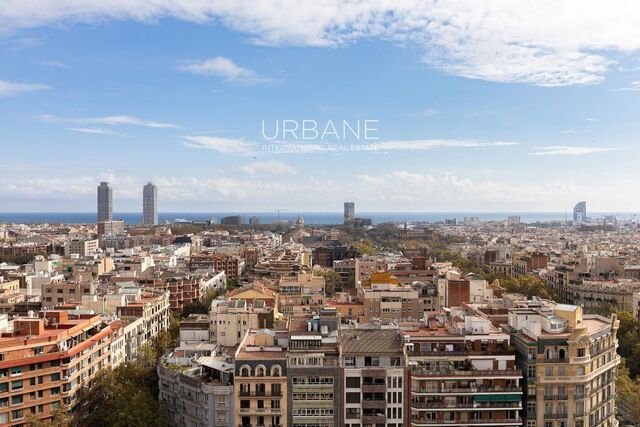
(580, 212)
(105, 202)
(150, 204)
(349, 213)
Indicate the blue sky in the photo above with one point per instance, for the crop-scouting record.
(472, 114)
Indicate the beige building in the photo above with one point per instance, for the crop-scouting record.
(302, 294)
(260, 384)
(230, 320)
(65, 292)
(569, 364)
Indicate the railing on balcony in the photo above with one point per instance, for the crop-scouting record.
(439, 405)
(489, 421)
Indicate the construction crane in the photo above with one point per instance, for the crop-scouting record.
(280, 210)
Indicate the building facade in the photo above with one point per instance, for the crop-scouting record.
(150, 205)
(105, 202)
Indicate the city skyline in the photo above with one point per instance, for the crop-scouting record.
(179, 96)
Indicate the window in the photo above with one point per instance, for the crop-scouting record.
(353, 382)
(16, 400)
(275, 371)
(350, 361)
(353, 397)
(16, 385)
(371, 361)
(245, 371)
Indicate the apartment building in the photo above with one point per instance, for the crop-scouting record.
(348, 270)
(325, 256)
(374, 384)
(462, 372)
(196, 392)
(83, 247)
(596, 294)
(383, 298)
(58, 293)
(313, 371)
(47, 361)
(260, 385)
(302, 294)
(231, 319)
(569, 364)
(232, 265)
(153, 307)
(527, 264)
(286, 260)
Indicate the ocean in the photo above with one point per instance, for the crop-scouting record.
(309, 217)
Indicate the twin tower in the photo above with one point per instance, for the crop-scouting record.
(149, 203)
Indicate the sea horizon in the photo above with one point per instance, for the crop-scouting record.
(310, 217)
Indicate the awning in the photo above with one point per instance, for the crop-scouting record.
(497, 398)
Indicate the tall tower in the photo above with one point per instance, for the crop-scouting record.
(105, 202)
(580, 212)
(349, 213)
(150, 204)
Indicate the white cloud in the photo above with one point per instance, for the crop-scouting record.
(432, 144)
(542, 43)
(569, 150)
(269, 167)
(394, 190)
(572, 132)
(634, 86)
(238, 146)
(107, 121)
(222, 145)
(8, 88)
(429, 113)
(54, 64)
(225, 68)
(96, 131)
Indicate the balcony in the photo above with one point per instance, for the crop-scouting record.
(496, 389)
(488, 422)
(374, 372)
(374, 419)
(474, 405)
(374, 388)
(374, 404)
(555, 416)
(556, 397)
(419, 372)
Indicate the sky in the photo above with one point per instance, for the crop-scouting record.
(474, 105)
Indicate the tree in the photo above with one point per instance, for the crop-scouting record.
(332, 280)
(60, 418)
(365, 248)
(528, 285)
(231, 284)
(628, 396)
